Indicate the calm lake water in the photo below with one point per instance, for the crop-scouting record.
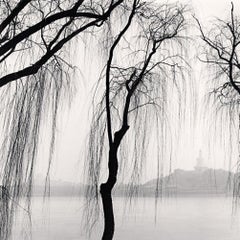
(176, 219)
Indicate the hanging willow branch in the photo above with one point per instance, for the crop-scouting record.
(221, 53)
(34, 81)
(145, 67)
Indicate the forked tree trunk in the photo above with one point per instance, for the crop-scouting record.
(106, 194)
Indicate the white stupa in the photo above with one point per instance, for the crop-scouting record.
(200, 163)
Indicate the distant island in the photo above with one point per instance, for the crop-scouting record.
(180, 182)
(200, 181)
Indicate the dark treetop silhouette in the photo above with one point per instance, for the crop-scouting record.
(33, 36)
(136, 95)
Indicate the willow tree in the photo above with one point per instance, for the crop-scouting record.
(221, 53)
(145, 54)
(34, 79)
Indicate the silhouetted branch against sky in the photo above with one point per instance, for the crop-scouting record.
(220, 52)
(146, 66)
(44, 28)
(34, 36)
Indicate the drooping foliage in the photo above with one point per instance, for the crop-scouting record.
(221, 53)
(35, 70)
(144, 82)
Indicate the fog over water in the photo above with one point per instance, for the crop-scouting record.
(191, 217)
(198, 218)
(177, 218)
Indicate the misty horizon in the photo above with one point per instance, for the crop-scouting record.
(125, 113)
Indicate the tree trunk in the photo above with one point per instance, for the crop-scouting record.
(109, 224)
(106, 194)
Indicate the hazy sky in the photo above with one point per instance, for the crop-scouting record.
(74, 123)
